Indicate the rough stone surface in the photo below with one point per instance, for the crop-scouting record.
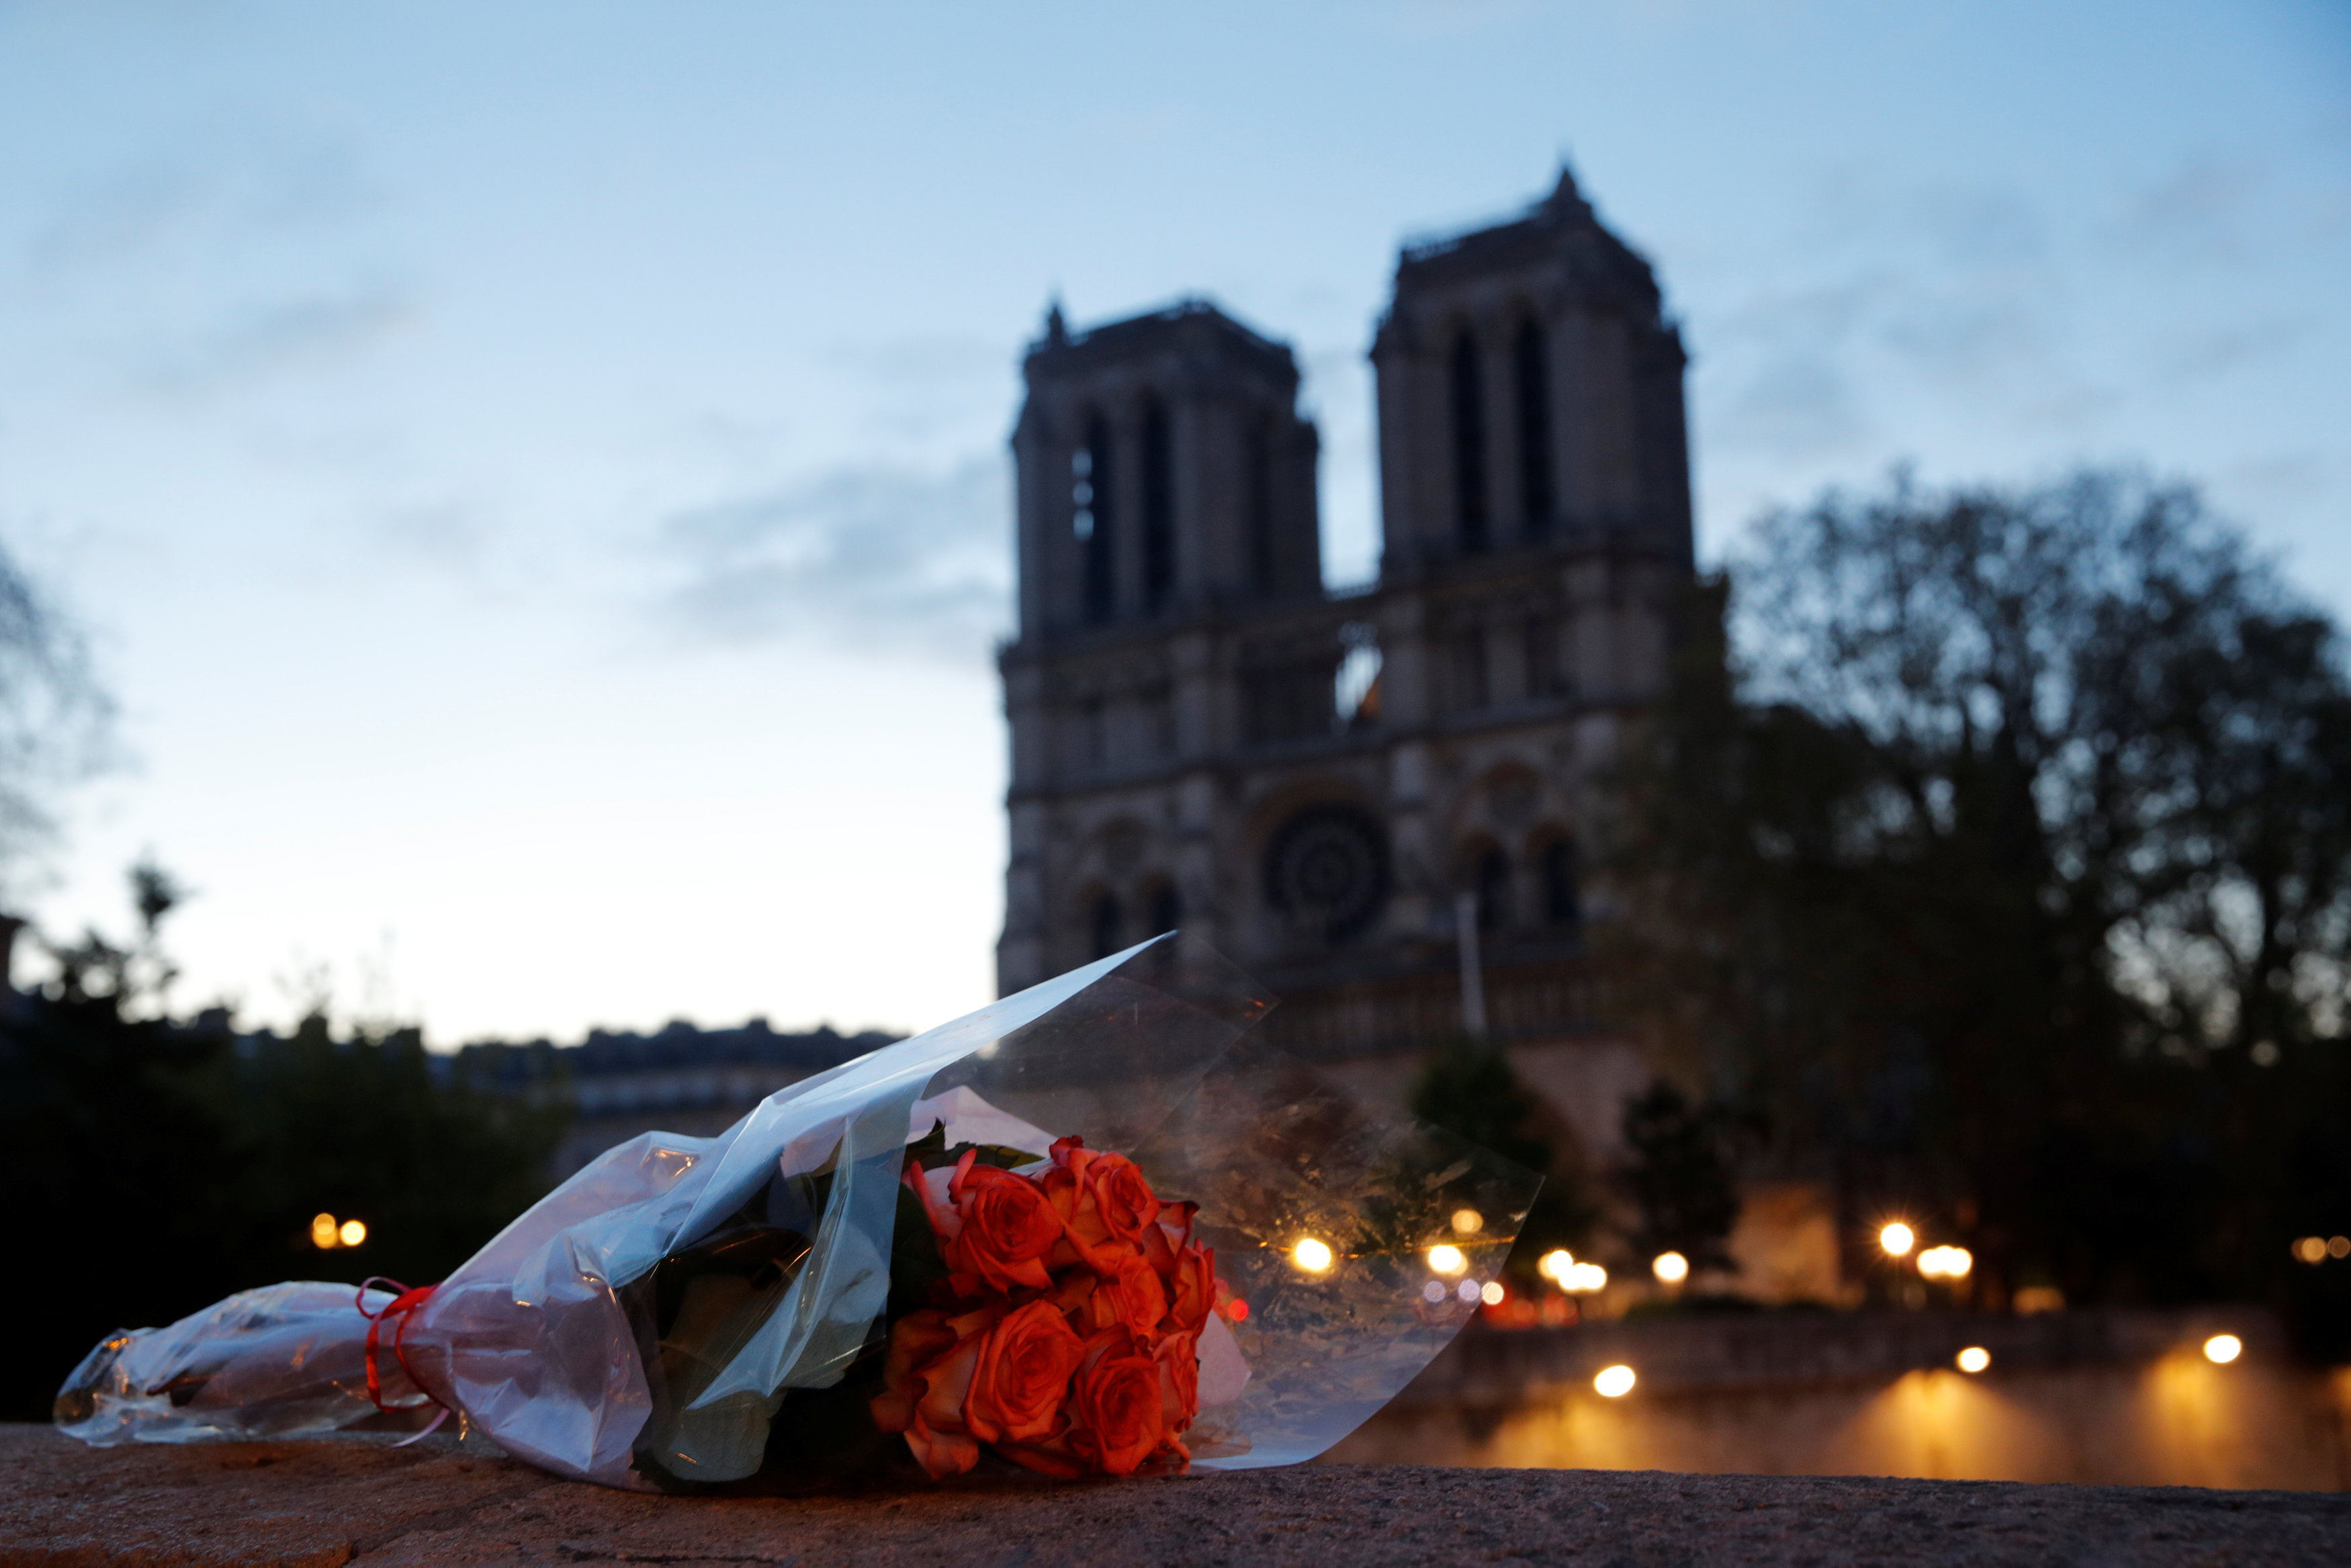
(322, 1504)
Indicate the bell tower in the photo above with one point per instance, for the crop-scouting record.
(1164, 472)
(1530, 395)
(1320, 784)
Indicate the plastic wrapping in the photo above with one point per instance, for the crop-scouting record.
(684, 1311)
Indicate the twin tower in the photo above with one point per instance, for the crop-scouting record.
(1203, 734)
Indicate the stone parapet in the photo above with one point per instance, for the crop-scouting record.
(324, 1504)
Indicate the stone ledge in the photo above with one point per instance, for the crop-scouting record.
(322, 1504)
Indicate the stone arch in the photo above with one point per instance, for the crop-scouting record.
(1555, 867)
(1158, 904)
(1101, 921)
(1481, 866)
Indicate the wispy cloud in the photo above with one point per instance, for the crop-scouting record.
(873, 555)
(2193, 216)
(283, 334)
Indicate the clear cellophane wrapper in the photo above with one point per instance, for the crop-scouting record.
(688, 1312)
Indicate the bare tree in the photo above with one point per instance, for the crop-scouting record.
(56, 722)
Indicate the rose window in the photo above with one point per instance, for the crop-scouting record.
(1327, 869)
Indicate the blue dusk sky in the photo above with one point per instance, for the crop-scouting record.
(535, 474)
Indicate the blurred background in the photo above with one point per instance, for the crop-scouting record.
(1740, 602)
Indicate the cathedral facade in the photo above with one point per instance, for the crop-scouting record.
(1202, 735)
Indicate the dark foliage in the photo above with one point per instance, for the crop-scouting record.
(2005, 876)
(1679, 1179)
(1470, 1089)
(154, 1167)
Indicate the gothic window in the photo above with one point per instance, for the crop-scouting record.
(1530, 365)
(1563, 903)
(1257, 459)
(1107, 929)
(1091, 468)
(1492, 876)
(1158, 506)
(1327, 871)
(1166, 909)
(1470, 445)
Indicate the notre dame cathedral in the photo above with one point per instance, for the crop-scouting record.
(1203, 734)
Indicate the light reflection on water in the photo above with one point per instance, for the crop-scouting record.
(2178, 1421)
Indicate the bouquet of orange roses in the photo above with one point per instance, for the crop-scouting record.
(1067, 1332)
(893, 1262)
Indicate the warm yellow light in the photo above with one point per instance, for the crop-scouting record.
(1897, 1239)
(1492, 1292)
(322, 1231)
(1587, 1277)
(2310, 1249)
(1671, 1268)
(2223, 1349)
(353, 1234)
(2338, 1246)
(1311, 1255)
(2035, 1298)
(1614, 1382)
(1946, 1263)
(1555, 1264)
(1469, 1221)
(1974, 1358)
(1446, 1259)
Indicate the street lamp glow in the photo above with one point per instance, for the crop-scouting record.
(1897, 1239)
(1587, 1277)
(1974, 1358)
(352, 1232)
(1614, 1382)
(1446, 1259)
(2223, 1349)
(1946, 1263)
(1469, 1221)
(1311, 1255)
(1555, 1264)
(323, 1233)
(1671, 1268)
(1492, 1292)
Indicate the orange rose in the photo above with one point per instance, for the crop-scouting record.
(1118, 1417)
(1193, 1291)
(1173, 1232)
(944, 1353)
(915, 1339)
(1023, 1375)
(1007, 1227)
(1129, 1292)
(1122, 1197)
(1179, 1379)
